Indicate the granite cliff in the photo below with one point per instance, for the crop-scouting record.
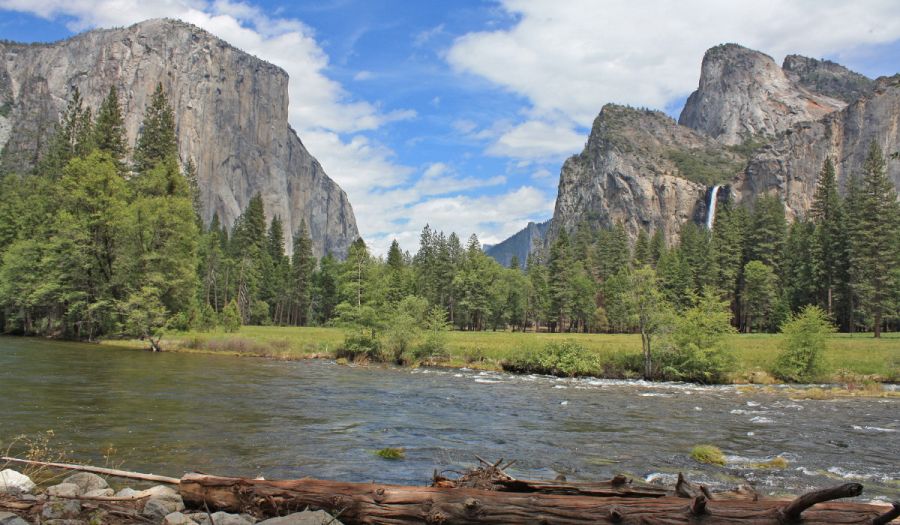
(231, 114)
(743, 94)
(751, 126)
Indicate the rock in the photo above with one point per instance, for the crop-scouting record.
(521, 244)
(177, 518)
(159, 508)
(222, 518)
(68, 490)
(744, 94)
(127, 492)
(212, 86)
(15, 483)
(827, 78)
(87, 482)
(627, 173)
(789, 167)
(99, 493)
(8, 518)
(61, 509)
(64, 522)
(160, 492)
(307, 517)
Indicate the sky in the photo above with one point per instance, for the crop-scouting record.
(459, 114)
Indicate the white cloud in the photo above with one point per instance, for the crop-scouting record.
(569, 58)
(363, 75)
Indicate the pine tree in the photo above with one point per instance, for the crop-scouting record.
(157, 140)
(767, 232)
(642, 254)
(874, 238)
(109, 130)
(657, 246)
(561, 266)
(829, 243)
(396, 287)
(303, 265)
(72, 138)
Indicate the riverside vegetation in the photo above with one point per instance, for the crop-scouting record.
(93, 246)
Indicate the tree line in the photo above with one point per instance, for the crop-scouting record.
(94, 245)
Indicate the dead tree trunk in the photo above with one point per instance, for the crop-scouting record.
(374, 504)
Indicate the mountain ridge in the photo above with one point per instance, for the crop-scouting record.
(212, 86)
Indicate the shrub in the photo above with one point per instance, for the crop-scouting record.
(434, 347)
(231, 317)
(698, 343)
(800, 360)
(708, 454)
(359, 346)
(566, 359)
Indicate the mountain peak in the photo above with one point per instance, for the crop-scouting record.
(744, 94)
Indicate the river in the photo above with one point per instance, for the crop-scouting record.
(165, 413)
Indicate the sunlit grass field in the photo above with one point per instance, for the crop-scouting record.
(856, 354)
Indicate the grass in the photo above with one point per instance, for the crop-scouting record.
(856, 359)
(708, 454)
(776, 463)
(391, 453)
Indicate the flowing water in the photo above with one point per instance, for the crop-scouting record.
(167, 413)
(711, 207)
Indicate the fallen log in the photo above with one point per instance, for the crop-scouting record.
(376, 504)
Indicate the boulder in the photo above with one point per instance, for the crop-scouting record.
(65, 490)
(87, 482)
(307, 517)
(99, 493)
(158, 508)
(61, 509)
(222, 518)
(177, 518)
(127, 492)
(160, 492)
(8, 518)
(15, 483)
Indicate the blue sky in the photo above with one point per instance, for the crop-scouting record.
(461, 113)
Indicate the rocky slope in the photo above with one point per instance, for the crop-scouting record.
(643, 169)
(521, 244)
(790, 165)
(827, 78)
(743, 94)
(629, 171)
(231, 113)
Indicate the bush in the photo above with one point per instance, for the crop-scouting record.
(566, 359)
(800, 360)
(359, 346)
(698, 343)
(434, 347)
(231, 317)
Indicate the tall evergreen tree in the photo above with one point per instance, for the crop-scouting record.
(828, 246)
(157, 140)
(561, 267)
(109, 130)
(874, 253)
(303, 266)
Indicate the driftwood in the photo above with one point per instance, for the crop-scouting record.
(371, 503)
(508, 501)
(96, 470)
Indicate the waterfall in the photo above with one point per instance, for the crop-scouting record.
(711, 213)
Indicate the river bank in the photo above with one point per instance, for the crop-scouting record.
(857, 360)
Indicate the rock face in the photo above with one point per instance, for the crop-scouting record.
(643, 169)
(528, 240)
(627, 172)
(827, 78)
(789, 166)
(743, 94)
(231, 113)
